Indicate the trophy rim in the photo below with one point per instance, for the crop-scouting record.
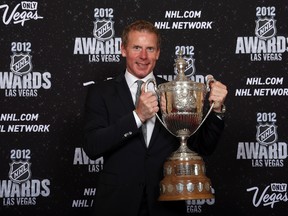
(197, 86)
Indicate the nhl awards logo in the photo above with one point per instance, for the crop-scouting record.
(103, 29)
(19, 171)
(266, 45)
(103, 46)
(20, 80)
(21, 64)
(265, 28)
(266, 134)
(188, 57)
(21, 189)
(267, 151)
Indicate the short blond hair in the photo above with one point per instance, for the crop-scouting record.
(140, 25)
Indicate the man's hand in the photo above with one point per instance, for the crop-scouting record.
(147, 105)
(218, 93)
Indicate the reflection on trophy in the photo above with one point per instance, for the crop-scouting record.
(181, 105)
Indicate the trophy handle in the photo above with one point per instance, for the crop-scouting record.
(209, 78)
(209, 111)
(146, 84)
(153, 81)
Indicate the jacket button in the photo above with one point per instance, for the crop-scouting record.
(128, 134)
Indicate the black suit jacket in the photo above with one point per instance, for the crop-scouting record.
(130, 168)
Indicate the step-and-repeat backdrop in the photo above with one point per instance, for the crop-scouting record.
(51, 51)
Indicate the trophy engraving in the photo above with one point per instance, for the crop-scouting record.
(181, 104)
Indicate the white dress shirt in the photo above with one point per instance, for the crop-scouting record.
(131, 81)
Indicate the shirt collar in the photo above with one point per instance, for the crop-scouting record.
(130, 79)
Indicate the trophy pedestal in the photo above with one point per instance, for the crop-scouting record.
(184, 178)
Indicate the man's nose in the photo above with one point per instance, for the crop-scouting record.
(143, 53)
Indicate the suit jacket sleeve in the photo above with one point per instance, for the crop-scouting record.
(107, 122)
(205, 140)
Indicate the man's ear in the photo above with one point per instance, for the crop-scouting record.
(123, 51)
(158, 54)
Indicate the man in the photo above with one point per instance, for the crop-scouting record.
(129, 183)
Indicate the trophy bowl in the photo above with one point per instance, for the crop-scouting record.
(181, 104)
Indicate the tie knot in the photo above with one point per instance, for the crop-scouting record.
(139, 83)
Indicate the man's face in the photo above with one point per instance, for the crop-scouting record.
(141, 53)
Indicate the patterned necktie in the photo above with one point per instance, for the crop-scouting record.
(138, 92)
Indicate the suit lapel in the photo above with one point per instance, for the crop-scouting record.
(124, 92)
(126, 98)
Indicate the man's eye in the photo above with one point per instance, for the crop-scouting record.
(137, 48)
(151, 49)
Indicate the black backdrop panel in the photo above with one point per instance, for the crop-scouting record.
(52, 50)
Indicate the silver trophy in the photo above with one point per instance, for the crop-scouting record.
(181, 103)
